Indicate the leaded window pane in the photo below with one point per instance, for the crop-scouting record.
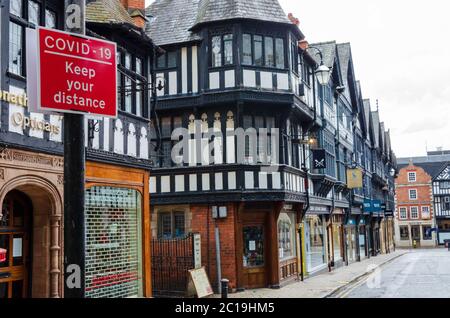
(50, 19)
(15, 7)
(179, 227)
(269, 56)
(216, 51)
(172, 59)
(280, 53)
(228, 48)
(15, 48)
(33, 12)
(247, 49)
(258, 50)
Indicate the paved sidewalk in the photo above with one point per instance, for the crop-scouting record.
(324, 284)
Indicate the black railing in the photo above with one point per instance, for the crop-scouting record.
(171, 261)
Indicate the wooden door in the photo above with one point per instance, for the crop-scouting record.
(255, 250)
(15, 233)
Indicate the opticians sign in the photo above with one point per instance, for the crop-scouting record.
(76, 74)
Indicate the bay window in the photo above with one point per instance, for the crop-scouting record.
(262, 51)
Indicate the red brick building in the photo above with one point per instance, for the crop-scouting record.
(414, 206)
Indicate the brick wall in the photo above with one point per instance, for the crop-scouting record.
(203, 223)
(131, 6)
(423, 185)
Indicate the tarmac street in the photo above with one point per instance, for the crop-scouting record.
(417, 274)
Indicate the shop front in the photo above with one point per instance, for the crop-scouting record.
(315, 230)
(363, 253)
(31, 198)
(117, 232)
(337, 235)
(287, 243)
(350, 240)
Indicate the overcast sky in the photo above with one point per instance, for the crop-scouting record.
(401, 52)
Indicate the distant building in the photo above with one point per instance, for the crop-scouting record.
(437, 166)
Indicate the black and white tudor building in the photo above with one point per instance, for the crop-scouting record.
(245, 64)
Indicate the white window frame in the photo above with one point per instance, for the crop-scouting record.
(409, 193)
(428, 212)
(412, 174)
(411, 212)
(400, 210)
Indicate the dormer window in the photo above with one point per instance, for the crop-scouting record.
(263, 51)
(222, 50)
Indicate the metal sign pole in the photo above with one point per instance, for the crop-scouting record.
(74, 177)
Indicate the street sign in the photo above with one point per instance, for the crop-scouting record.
(76, 74)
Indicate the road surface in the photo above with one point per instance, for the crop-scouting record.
(418, 274)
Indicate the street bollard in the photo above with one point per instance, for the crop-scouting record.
(225, 283)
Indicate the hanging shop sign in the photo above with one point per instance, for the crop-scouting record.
(319, 159)
(354, 178)
(76, 74)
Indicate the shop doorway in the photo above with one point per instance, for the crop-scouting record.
(415, 234)
(255, 250)
(15, 246)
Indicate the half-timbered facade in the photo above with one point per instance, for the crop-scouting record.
(118, 163)
(245, 65)
(441, 194)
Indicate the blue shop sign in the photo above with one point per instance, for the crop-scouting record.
(368, 205)
(376, 205)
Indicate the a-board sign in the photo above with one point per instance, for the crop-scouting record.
(76, 74)
(199, 283)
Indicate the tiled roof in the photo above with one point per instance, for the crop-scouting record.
(432, 168)
(218, 10)
(328, 52)
(107, 11)
(367, 113)
(170, 21)
(344, 53)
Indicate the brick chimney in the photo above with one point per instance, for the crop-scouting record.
(136, 9)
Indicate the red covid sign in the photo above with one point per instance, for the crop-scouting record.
(76, 74)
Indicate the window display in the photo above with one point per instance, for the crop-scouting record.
(315, 242)
(253, 246)
(286, 235)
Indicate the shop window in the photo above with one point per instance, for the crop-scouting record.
(171, 225)
(286, 235)
(404, 233)
(253, 246)
(337, 241)
(426, 232)
(315, 244)
(114, 243)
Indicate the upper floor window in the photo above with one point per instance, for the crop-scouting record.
(131, 81)
(445, 185)
(414, 212)
(412, 177)
(426, 212)
(36, 14)
(413, 194)
(168, 60)
(403, 215)
(222, 50)
(446, 204)
(258, 51)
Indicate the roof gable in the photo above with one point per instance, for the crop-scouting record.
(444, 174)
(107, 11)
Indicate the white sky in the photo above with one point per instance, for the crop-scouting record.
(401, 52)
